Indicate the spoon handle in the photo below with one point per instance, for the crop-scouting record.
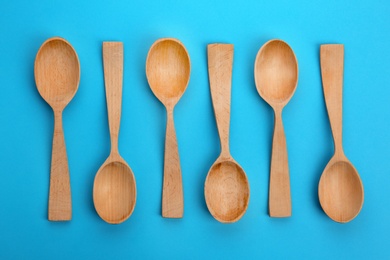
(60, 202)
(172, 197)
(332, 67)
(279, 183)
(113, 75)
(220, 65)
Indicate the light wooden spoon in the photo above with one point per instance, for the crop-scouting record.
(168, 72)
(340, 189)
(276, 76)
(114, 189)
(226, 188)
(57, 76)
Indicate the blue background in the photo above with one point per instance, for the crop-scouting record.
(27, 127)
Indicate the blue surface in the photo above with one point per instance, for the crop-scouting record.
(27, 125)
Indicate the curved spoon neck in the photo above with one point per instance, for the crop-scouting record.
(170, 121)
(278, 109)
(338, 141)
(339, 151)
(57, 112)
(57, 120)
(114, 154)
(169, 109)
(114, 145)
(225, 151)
(278, 117)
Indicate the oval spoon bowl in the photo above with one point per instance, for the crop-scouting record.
(168, 69)
(227, 191)
(341, 191)
(276, 72)
(114, 192)
(57, 71)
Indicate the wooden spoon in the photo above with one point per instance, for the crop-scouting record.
(340, 189)
(114, 189)
(57, 76)
(168, 72)
(226, 188)
(276, 76)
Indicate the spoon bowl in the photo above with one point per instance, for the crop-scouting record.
(341, 191)
(168, 69)
(227, 191)
(114, 191)
(276, 72)
(57, 72)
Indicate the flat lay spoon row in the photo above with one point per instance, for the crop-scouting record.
(226, 189)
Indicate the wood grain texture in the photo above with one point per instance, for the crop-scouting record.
(57, 76)
(226, 186)
(276, 77)
(114, 192)
(340, 189)
(168, 72)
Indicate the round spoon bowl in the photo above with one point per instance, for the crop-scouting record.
(227, 191)
(168, 69)
(57, 72)
(276, 72)
(114, 192)
(341, 191)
